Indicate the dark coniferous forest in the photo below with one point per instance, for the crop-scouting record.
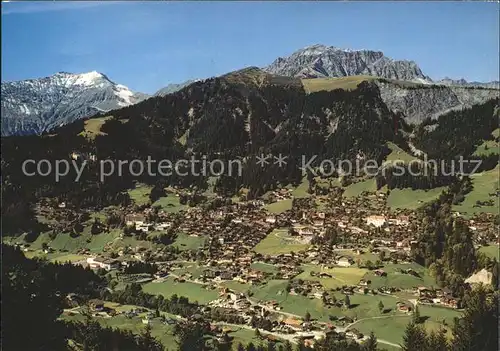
(237, 116)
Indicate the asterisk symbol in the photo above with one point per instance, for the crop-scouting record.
(280, 160)
(263, 160)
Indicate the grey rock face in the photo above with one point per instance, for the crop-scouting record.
(38, 105)
(463, 82)
(327, 61)
(418, 103)
(172, 88)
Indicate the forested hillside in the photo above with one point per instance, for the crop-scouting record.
(236, 116)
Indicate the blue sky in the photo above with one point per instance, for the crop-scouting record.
(147, 45)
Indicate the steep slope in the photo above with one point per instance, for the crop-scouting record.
(420, 102)
(38, 105)
(417, 102)
(327, 61)
(172, 88)
(237, 116)
(245, 110)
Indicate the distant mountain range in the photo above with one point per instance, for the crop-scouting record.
(36, 106)
(172, 88)
(463, 82)
(247, 113)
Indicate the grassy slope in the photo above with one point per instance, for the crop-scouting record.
(279, 242)
(63, 241)
(193, 291)
(92, 127)
(279, 206)
(340, 276)
(328, 84)
(412, 199)
(484, 183)
(491, 251)
(392, 329)
(264, 267)
(404, 281)
(398, 154)
(186, 242)
(301, 190)
(140, 194)
(489, 147)
(169, 203)
(164, 333)
(356, 189)
(362, 306)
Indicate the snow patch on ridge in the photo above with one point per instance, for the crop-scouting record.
(124, 94)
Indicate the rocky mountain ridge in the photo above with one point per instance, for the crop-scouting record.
(463, 82)
(37, 105)
(319, 61)
(420, 102)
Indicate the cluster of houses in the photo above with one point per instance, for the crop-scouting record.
(441, 297)
(104, 263)
(233, 230)
(139, 221)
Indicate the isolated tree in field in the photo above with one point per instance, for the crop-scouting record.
(380, 306)
(307, 317)
(347, 301)
(381, 255)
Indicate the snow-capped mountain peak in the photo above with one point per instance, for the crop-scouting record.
(38, 105)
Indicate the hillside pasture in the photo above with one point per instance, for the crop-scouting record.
(170, 203)
(489, 147)
(279, 206)
(279, 242)
(355, 189)
(92, 127)
(491, 251)
(395, 278)
(412, 199)
(362, 306)
(485, 188)
(398, 154)
(312, 85)
(187, 242)
(340, 275)
(140, 194)
(193, 291)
